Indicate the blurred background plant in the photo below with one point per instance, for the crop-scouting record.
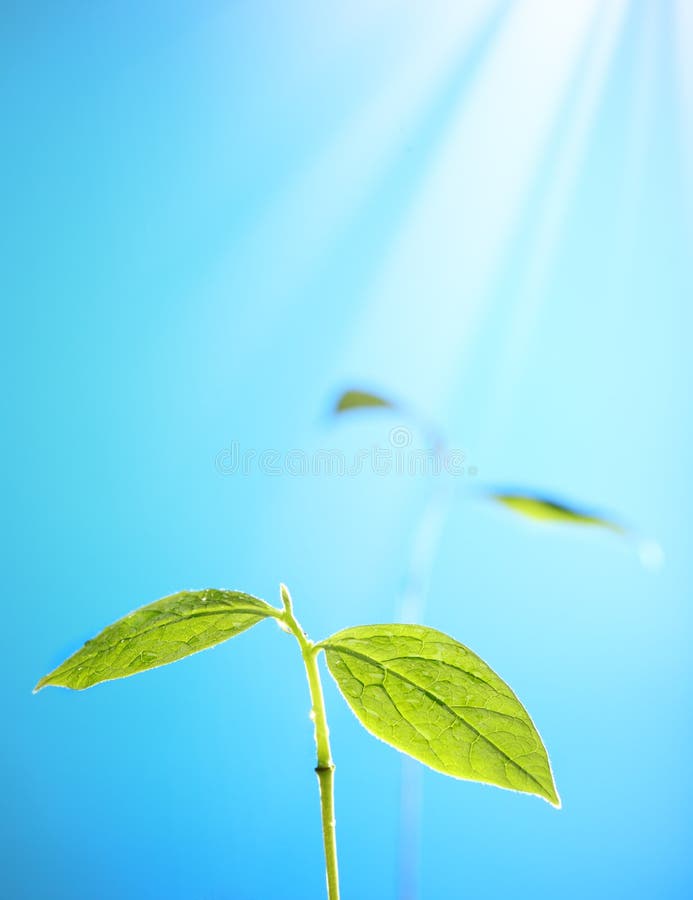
(534, 506)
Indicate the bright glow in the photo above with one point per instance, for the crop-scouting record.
(650, 554)
(683, 26)
(304, 221)
(512, 353)
(454, 237)
(642, 113)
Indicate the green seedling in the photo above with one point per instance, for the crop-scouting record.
(524, 503)
(547, 509)
(413, 687)
(528, 504)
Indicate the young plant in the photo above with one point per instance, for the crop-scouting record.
(413, 687)
(524, 503)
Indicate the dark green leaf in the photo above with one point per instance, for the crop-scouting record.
(361, 400)
(547, 510)
(432, 698)
(160, 633)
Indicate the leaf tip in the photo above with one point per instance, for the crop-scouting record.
(285, 597)
(40, 684)
(550, 793)
(48, 681)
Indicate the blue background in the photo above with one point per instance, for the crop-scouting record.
(216, 216)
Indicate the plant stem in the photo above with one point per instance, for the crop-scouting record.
(325, 773)
(325, 767)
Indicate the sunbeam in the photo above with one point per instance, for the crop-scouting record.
(684, 47)
(430, 292)
(574, 142)
(304, 219)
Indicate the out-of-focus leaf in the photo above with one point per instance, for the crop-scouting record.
(432, 698)
(548, 510)
(159, 633)
(361, 400)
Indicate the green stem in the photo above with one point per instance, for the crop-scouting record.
(325, 767)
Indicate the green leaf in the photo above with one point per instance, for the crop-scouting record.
(432, 698)
(160, 633)
(548, 510)
(361, 400)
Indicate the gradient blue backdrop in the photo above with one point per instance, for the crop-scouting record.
(215, 215)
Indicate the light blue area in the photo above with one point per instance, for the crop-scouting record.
(176, 277)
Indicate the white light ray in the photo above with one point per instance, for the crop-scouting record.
(302, 222)
(430, 292)
(512, 353)
(640, 127)
(684, 46)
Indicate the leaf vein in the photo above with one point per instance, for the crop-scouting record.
(340, 648)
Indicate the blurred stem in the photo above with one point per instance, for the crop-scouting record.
(411, 609)
(325, 767)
